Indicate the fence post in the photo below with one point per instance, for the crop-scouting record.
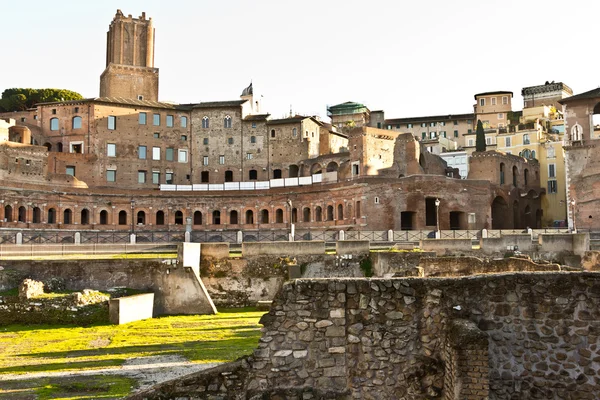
(390, 236)
(132, 238)
(342, 235)
(186, 237)
(239, 237)
(19, 239)
(77, 239)
(484, 233)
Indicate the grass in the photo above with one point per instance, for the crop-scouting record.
(53, 348)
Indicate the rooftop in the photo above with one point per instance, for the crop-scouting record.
(547, 87)
(497, 92)
(348, 107)
(430, 118)
(591, 94)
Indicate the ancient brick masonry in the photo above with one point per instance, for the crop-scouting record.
(504, 336)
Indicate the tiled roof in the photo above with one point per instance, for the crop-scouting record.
(594, 93)
(257, 117)
(217, 104)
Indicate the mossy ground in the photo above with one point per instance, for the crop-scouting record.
(54, 348)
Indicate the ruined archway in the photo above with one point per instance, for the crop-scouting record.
(500, 214)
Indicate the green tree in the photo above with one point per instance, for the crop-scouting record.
(19, 99)
(479, 137)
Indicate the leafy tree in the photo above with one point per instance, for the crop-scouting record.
(19, 99)
(479, 137)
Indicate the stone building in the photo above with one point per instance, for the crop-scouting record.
(582, 160)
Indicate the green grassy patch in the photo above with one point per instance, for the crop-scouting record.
(53, 348)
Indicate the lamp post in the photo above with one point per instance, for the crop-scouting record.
(573, 215)
(132, 215)
(437, 218)
(289, 202)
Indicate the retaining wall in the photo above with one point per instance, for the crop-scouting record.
(283, 248)
(130, 308)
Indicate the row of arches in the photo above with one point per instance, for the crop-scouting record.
(232, 217)
(515, 175)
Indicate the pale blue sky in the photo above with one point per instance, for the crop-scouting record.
(409, 58)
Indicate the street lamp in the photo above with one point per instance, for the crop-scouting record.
(573, 215)
(437, 218)
(292, 228)
(132, 216)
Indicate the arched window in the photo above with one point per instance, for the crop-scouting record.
(51, 216)
(233, 217)
(252, 139)
(318, 214)
(264, 217)
(293, 171)
(272, 133)
(306, 214)
(532, 154)
(294, 215)
(294, 132)
(67, 216)
(349, 211)
(526, 177)
(329, 213)
(122, 217)
(85, 216)
(59, 147)
(276, 174)
(141, 218)
(103, 217)
(250, 217)
(216, 216)
(22, 214)
(53, 124)
(228, 176)
(502, 173)
(183, 122)
(279, 216)
(332, 166)
(515, 172)
(340, 211)
(197, 218)
(178, 217)
(252, 175)
(48, 146)
(160, 217)
(227, 122)
(205, 122)
(37, 215)
(76, 122)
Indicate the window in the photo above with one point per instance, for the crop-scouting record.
(423, 135)
(507, 142)
(376, 200)
(252, 175)
(254, 124)
(488, 140)
(221, 160)
(142, 152)
(409, 126)
(156, 120)
(443, 123)
(455, 122)
(230, 140)
(551, 170)
(54, 124)
(111, 150)
(423, 124)
(76, 122)
(205, 122)
(142, 117)
(182, 155)
(155, 177)
(469, 130)
(169, 178)
(455, 133)
(169, 121)
(227, 122)
(248, 156)
(500, 115)
(228, 176)
(252, 139)
(443, 134)
(294, 133)
(54, 111)
(470, 142)
(432, 135)
(112, 122)
(76, 147)
(169, 152)
(526, 139)
(432, 124)
(205, 160)
(156, 135)
(272, 133)
(550, 153)
(493, 101)
(183, 138)
(156, 153)
(482, 102)
(552, 187)
(141, 176)
(504, 99)
(183, 122)
(70, 170)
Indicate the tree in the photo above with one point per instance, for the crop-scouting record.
(20, 99)
(479, 137)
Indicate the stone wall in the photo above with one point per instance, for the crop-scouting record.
(538, 334)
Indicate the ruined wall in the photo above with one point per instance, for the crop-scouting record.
(531, 335)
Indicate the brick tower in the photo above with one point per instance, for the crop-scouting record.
(130, 71)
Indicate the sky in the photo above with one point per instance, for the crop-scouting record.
(408, 58)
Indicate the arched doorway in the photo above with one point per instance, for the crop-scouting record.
(216, 217)
(103, 217)
(500, 215)
(293, 171)
(51, 216)
(306, 214)
(197, 218)
(85, 216)
(279, 216)
(233, 217)
(318, 214)
(315, 169)
(122, 217)
(264, 217)
(332, 167)
(178, 217)
(250, 217)
(67, 216)
(22, 216)
(329, 213)
(160, 217)
(8, 211)
(141, 218)
(37, 215)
